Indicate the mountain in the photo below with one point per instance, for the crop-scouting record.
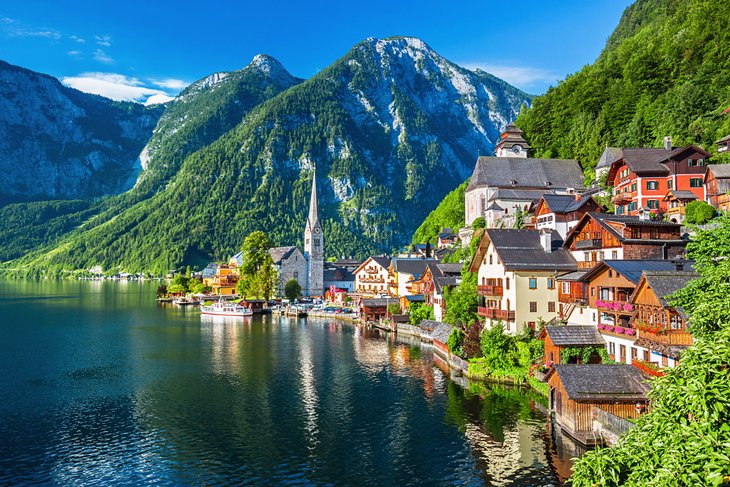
(57, 142)
(391, 127)
(448, 214)
(664, 71)
(206, 110)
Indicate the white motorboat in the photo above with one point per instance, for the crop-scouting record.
(226, 309)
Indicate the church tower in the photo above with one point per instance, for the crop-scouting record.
(314, 245)
(511, 143)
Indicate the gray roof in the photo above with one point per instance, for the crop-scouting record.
(382, 260)
(414, 267)
(494, 207)
(646, 160)
(525, 172)
(627, 220)
(573, 335)
(565, 203)
(278, 254)
(338, 273)
(720, 171)
(209, 270)
(602, 382)
(683, 194)
(437, 330)
(378, 302)
(633, 269)
(415, 298)
(609, 156)
(521, 249)
(572, 276)
(668, 282)
(439, 283)
(507, 194)
(446, 269)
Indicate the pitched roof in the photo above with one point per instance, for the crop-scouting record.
(602, 382)
(507, 194)
(313, 218)
(439, 283)
(681, 194)
(377, 302)
(522, 172)
(633, 269)
(603, 219)
(573, 335)
(278, 254)
(414, 267)
(646, 160)
(724, 139)
(609, 156)
(437, 330)
(338, 273)
(521, 250)
(668, 282)
(572, 276)
(382, 260)
(720, 171)
(565, 203)
(454, 269)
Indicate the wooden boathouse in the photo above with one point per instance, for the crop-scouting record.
(576, 389)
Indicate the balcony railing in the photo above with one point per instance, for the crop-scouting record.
(650, 368)
(668, 337)
(622, 198)
(587, 264)
(373, 280)
(589, 243)
(490, 290)
(616, 306)
(617, 331)
(495, 313)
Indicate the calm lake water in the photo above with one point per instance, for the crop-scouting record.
(102, 386)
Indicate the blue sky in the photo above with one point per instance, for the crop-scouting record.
(136, 49)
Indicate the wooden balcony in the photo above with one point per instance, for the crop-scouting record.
(618, 331)
(668, 337)
(622, 198)
(619, 307)
(489, 290)
(496, 314)
(372, 280)
(649, 368)
(589, 243)
(587, 264)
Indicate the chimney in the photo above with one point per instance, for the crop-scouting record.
(546, 240)
(668, 142)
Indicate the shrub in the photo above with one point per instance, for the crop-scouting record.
(699, 213)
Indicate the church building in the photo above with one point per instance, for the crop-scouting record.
(314, 246)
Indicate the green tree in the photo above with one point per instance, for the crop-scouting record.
(455, 341)
(698, 213)
(262, 283)
(519, 219)
(420, 312)
(255, 249)
(394, 308)
(479, 222)
(292, 289)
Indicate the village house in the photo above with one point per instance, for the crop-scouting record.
(436, 278)
(340, 275)
(516, 273)
(601, 236)
(290, 263)
(723, 144)
(676, 200)
(560, 337)
(662, 332)
(642, 177)
(374, 309)
(223, 282)
(403, 273)
(717, 185)
(371, 277)
(522, 180)
(562, 212)
(446, 238)
(577, 391)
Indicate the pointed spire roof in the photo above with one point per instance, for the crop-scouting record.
(313, 219)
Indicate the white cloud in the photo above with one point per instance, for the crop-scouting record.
(78, 39)
(169, 83)
(523, 77)
(74, 53)
(115, 86)
(104, 40)
(157, 99)
(102, 57)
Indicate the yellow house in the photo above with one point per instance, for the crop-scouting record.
(516, 276)
(224, 281)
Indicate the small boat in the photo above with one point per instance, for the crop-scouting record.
(226, 309)
(185, 302)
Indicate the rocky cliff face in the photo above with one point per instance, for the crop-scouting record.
(59, 143)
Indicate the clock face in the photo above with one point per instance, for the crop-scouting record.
(316, 229)
(516, 149)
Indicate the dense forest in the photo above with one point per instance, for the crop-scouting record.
(665, 70)
(448, 214)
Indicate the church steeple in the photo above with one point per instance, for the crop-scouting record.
(314, 245)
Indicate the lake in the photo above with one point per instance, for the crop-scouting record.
(103, 386)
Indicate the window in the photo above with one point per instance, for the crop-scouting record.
(695, 182)
(650, 185)
(533, 306)
(700, 162)
(586, 256)
(506, 282)
(620, 210)
(566, 287)
(533, 283)
(622, 353)
(653, 204)
(665, 361)
(633, 187)
(610, 273)
(614, 254)
(316, 242)
(631, 206)
(551, 283)
(551, 306)
(611, 348)
(634, 353)
(490, 259)
(593, 291)
(296, 275)
(690, 162)
(670, 184)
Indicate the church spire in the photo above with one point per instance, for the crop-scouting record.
(313, 219)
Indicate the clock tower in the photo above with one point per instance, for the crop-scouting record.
(512, 143)
(314, 246)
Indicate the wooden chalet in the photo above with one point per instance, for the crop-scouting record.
(406, 301)
(575, 390)
(600, 236)
(559, 337)
(562, 212)
(662, 331)
(434, 280)
(717, 184)
(676, 201)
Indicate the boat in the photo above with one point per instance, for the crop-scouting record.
(226, 309)
(185, 302)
